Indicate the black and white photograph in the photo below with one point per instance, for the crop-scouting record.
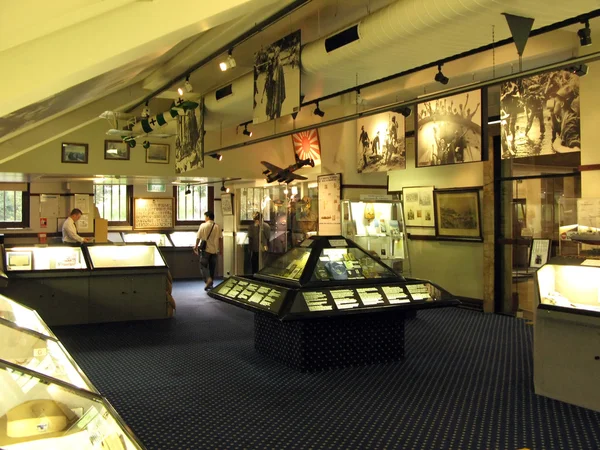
(277, 79)
(381, 146)
(189, 143)
(540, 115)
(74, 153)
(449, 130)
(418, 206)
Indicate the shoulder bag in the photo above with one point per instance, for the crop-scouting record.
(203, 244)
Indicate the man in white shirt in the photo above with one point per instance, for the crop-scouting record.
(210, 232)
(69, 230)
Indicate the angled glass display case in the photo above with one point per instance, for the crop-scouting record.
(379, 228)
(160, 239)
(183, 238)
(42, 258)
(22, 316)
(124, 256)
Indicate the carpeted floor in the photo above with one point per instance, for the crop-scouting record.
(195, 382)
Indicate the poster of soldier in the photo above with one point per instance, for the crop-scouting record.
(540, 115)
(449, 130)
(189, 143)
(277, 79)
(381, 145)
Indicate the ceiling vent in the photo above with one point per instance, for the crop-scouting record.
(223, 92)
(342, 38)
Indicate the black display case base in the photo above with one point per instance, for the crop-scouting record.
(347, 341)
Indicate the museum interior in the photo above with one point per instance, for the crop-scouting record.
(408, 224)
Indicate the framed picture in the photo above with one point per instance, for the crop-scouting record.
(74, 153)
(381, 143)
(539, 252)
(458, 214)
(227, 204)
(116, 150)
(22, 260)
(307, 146)
(158, 153)
(418, 206)
(449, 130)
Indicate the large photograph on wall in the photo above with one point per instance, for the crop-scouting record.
(189, 143)
(449, 130)
(540, 115)
(277, 79)
(381, 143)
(307, 146)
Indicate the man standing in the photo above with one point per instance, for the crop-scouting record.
(69, 230)
(258, 237)
(210, 233)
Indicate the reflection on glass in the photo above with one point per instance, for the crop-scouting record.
(109, 256)
(290, 265)
(349, 264)
(158, 238)
(183, 238)
(22, 316)
(44, 258)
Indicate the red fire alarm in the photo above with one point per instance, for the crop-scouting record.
(43, 222)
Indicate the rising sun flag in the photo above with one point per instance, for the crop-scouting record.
(306, 145)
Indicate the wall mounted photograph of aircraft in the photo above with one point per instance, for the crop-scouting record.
(286, 175)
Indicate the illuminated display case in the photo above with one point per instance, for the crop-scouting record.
(579, 227)
(124, 256)
(183, 238)
(22, 316)
(160, 239)
(39, 258)
(379, 228)
(567, 330)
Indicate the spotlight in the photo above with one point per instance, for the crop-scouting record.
(294, 115)
(187, 85)
(180, 91)
(440, 77)
(318, 111)
(246, 132)
(217, 156)
(405, 111)
(188, 191)
(229, 63)
(579, 69)
(146, 145)
(224, 189)
(585, 35)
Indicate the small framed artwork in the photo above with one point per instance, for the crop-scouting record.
(158, 153)
(539, 252)
(227, 204)
(458, 215)
(74, 153)
(116, 150)
(418, 206)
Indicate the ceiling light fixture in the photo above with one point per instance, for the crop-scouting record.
(246, 132)
(229, 63)
(579, 69)
(187, 86)
(404, 110)
(188, 191)
(585, 35)
(223, 188)
(318, 111)
(440, 77)
(216, 156)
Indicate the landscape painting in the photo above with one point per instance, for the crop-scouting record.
(458, 214)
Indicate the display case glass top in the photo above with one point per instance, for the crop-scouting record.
(39, 412)
(570, 288)
(130, 255)
(22, 316)
(183, 238)
(160, 239)
(289, 266)
(44, 258)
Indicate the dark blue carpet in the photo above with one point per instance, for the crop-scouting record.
(195, 382)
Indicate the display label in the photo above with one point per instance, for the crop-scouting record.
(251, 293)
(338, 242)
(395, 295)
(370, 296)
(419, 292)
(317, 301)
(344, 298)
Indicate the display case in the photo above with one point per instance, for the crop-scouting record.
(135, 237)
(579, 227)
(22, 316)
(41, 258)
(116, 237)
(124, 256)
(182, 261)
(379, 228)
(567, 331)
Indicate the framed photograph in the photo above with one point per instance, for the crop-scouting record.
(418, 206)
(227, 204)
(539, 252)
(116, 150)
(381, 143)
(74, 153)
(449, 130)
(458, 215)
(158, 153)
(307, 146)
(22, 260)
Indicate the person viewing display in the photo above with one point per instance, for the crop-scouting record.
(69, 229)
(207, 246)
(258, 237)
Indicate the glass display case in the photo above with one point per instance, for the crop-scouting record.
(37, 258)
(41, 412)
(160, 239)
(115, 237)
(23, 316)
(579, 227)
(379, 228)
(183, 238)
(121, 256)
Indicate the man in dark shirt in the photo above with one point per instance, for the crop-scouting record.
(258, 238)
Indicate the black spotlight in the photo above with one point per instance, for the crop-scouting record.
(579, 69)
(440, 77)
(585, 35)
(318, 111)
(188, 191)
(223, 188)
(405, 111)
(217, 156)
(246, 132)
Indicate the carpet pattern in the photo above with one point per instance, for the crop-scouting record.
(195, 382)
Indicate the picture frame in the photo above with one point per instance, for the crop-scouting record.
(451, 130)
(539, 252)
(21, 260)
(458, 214)
(417, 203)
(158, 154)
(74, 153)
(116, 150)
(227, 204)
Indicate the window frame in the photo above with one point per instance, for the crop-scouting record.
(210, 203)
(25, 211)
(128, 203)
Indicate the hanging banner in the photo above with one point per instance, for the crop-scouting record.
(189, 144)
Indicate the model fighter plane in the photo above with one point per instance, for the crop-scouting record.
(286, 175)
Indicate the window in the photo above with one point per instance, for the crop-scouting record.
(14, 209)
(114, 202)
(192, 206)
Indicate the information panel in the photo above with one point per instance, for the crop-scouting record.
(153, 213)
(266, 297)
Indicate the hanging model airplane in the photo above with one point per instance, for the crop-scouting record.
(134, 129)
(286, 175)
